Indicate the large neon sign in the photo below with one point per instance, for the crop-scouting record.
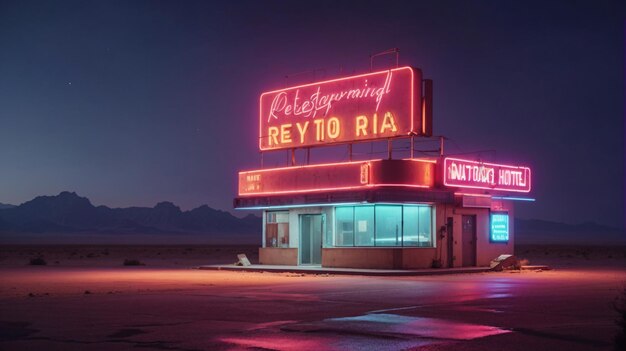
(383, 104)
(481, 175)
(410, 173)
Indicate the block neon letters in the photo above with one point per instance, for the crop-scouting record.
(480, 175)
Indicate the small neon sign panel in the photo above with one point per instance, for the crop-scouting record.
(377, 105)
(499, 227)
(481, 175)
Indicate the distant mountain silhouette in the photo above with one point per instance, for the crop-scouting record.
(70, 213)
(538, 231)
(70, 216)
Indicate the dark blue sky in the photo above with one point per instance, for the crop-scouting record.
(135, 102)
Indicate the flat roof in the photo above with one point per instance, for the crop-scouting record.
(392, 194)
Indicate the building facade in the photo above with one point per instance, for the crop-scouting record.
(376, 213)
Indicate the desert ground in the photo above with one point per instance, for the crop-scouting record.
(84, 298)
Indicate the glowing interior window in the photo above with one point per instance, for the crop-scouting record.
(499, 226)
(277, 229)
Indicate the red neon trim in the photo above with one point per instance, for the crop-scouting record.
(339, 79)
(333, 164)
(469, 194)
(309, 166)
(283, 192)
(403, 185)
(487, 187)
(332, 81)
(301, 191)
(485, 163)
(420, 160)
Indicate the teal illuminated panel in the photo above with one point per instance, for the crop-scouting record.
(499, 227)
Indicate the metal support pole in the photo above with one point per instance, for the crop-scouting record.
(389, 149)
(386, 52)
(412, 146)
(293, 157)
(441, 145)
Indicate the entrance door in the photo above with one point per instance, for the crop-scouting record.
(311, 228)
(469, 241)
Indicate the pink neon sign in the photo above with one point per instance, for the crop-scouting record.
(369, 106)
(480, 175)
(337, 176)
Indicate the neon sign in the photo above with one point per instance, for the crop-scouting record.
(411, 173)
(499, 227)
(481, 175)
(383, 104)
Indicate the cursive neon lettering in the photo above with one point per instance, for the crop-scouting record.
(318, 102)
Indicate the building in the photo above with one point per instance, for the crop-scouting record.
(385, 213)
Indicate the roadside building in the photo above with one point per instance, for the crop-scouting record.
(387, 213)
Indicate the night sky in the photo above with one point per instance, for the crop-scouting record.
(134, 102)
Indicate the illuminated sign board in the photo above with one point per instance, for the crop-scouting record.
(337, 176)
(377, 105)
(499, 227)
(481, 175)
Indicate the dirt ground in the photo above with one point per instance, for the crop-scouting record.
(85, 299)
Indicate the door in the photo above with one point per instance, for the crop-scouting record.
(469, 240)
(311, 229)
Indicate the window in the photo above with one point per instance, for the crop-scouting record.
(364, 226)
(277, 229)
(425, 226)
(499, 227)
(411, 226)
(344, 221)
(388, 225)
(382, 225)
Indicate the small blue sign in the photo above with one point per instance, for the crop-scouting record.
(500, 227)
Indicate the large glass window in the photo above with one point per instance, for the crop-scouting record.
(364, 226)
(388, 225)
(383, 225)
(425, 226)
(344, 221)
(277, 229)
(410, 236)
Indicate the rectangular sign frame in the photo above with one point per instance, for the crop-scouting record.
(378, 105)
(499, 229)
(470, 174)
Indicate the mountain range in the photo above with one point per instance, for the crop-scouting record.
(68, 217)
(69, 213)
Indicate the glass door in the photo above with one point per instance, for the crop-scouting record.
(311, 229)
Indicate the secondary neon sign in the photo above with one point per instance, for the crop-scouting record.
(383, 104)
(480, 175)
(499, 227)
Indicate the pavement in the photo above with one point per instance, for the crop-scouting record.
(312, 269)
(125, 308)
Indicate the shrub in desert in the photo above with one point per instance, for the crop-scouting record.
(128, 262)
(38, 261)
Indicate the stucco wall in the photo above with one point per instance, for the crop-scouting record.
(278, 256)
(378, 258)
(485, 250)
